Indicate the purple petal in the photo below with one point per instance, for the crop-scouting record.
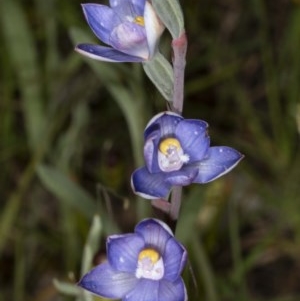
(105, 54)
(132, 8)
(220, 160)
(123, 251)
(107, 282)
(166, 122)
(193, 137)
(130, 38)
(146, 290)
(101, 19)
(155, 234)
(172, 291)
(184, 176)
(175, 257)
(149, 186)
(139, 6)
(151, 152)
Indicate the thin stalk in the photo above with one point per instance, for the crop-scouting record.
(206, 270)
(175, 203)
(179, 46)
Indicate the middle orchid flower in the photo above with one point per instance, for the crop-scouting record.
(177, 153)
(130, 27)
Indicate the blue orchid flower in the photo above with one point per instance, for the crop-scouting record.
(144, 265)
(177, 153)
(130, 27)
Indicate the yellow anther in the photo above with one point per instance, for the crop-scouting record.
(139, 20)
(168, 143)
(149, 253)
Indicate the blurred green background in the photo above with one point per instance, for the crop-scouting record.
(71, 134)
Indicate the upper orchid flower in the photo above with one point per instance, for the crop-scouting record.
(177, 153)
(142, 266)
(130, 27)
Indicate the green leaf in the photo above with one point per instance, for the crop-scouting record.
(92, 244)
(160, 72)
(66, 288)
(66, 190)
(22, 53)
(170, 13)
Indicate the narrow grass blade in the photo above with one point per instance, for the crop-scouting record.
(23, 56)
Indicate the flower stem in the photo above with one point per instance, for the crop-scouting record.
(175, 206)
(163, 209)
(179, 46)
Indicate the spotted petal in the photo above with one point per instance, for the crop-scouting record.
(107, 282)
(193, 137)
(106, 54)
(220, 160)
(149, 186)
(123, 251)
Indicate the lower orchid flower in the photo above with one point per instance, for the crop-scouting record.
(177, 153)
(142, 266)
(130, 27)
